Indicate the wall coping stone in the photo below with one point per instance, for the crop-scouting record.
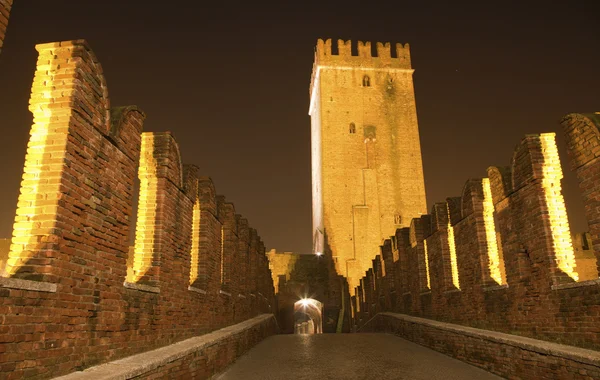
(197, 290)
(576, 284)
(577, 354)
(17, 283)
(495, 287)
(139, 364)
(141, 287)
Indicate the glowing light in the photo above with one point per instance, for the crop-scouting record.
(147, 209)
(305, 302)
(195, 252)
(38, 199)
(319, 253)
(222, 256)
(490, 233)
(427, 264)
(453, 262)
(557, 212)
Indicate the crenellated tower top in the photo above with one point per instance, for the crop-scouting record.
(324, 54)
(384, 57)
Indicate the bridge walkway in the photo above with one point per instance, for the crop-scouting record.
(349, 357)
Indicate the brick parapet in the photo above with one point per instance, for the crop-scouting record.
(67, 298)
(506, 355)
(527, 285)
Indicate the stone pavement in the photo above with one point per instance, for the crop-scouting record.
(347, 357)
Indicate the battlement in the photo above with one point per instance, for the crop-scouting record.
(383, 56)
(475, 259)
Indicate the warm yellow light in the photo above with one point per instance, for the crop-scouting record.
(427, 264)
(453, 262)
(46, 150)
(305, 302)
(195, 251)
(557, 212)
(146, 214)
(222, 256)
(490, 232)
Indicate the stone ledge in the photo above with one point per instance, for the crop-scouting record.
(595, 282)
(142, 288)
(495, 287)
(197, 290)
(577, 354)
(138, 365)
(17, 283)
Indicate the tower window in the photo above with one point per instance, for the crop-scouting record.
(397, 219)
(366, 81)
(352, 128)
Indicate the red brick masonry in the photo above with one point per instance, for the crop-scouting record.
(70, 297)
(537, 298)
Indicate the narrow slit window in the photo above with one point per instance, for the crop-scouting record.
(366, 81)
(352, 128)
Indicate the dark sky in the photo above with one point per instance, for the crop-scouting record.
(231, 82)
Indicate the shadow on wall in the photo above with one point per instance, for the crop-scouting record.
(501, 256)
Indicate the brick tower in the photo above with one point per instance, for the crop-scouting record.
(367, 173)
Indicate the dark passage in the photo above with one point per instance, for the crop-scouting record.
(348, 357)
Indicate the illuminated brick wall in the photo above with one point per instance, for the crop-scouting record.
(515, 263)
(367, 175)
(5, 6)
(70, 279)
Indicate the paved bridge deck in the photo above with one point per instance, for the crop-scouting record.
(348, 357)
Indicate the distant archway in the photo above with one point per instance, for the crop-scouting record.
(308, 316)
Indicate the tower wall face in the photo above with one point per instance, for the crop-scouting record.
(366, 164)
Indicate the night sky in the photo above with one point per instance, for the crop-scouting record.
(231, 82)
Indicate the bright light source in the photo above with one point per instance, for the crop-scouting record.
(305, 302)
(319, 253)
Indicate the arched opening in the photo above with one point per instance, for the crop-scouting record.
(366, 81)
(308, 316)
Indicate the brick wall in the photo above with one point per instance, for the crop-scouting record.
(68, 300)
(5, 6)
(514, 260)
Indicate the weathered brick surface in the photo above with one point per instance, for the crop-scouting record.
(505, 355)
(5, 6)
(535, 297)
(67, 299)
